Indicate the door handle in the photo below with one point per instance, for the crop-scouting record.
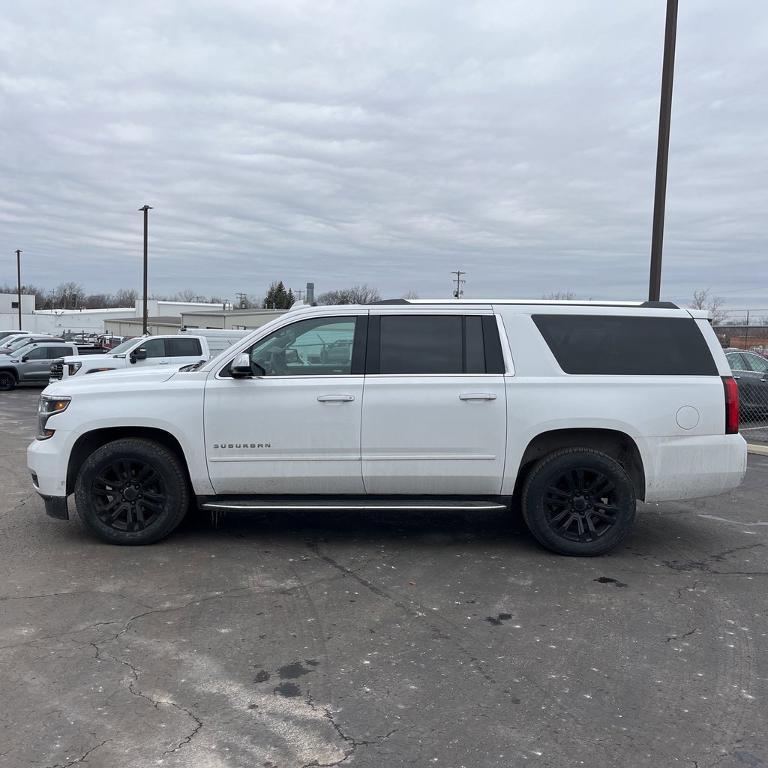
(477, 396)
(335, 398)
(736, 378)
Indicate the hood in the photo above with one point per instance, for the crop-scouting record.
(118, 380)
(81, 358)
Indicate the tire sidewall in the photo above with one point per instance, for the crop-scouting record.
(163, 461)
(553, 466)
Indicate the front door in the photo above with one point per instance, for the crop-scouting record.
(434, 410)
(35, 366)
(294, 427)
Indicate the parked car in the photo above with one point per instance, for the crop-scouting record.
(7, 349)
(142, 351)
(11, 336)
(573, 411)
(5, 334)
(750, 370)
(31, 364)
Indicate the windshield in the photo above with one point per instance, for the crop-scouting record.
(8, 340)
(122, 348)
(23, 349)
(18, 344)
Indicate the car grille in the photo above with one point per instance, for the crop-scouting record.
(57, 370)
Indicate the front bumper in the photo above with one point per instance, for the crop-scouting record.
(47, 462)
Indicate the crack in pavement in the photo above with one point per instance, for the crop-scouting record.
(477, 664)
(670, 638)
(82, 758)
(354, 743)
(718, 557)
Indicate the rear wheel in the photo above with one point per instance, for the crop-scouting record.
(578, 501)
(132, 491)
(7, 381)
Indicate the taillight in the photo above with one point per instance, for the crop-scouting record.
(731, 405)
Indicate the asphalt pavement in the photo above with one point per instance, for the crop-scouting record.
(380, 640)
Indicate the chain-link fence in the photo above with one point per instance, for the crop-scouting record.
(744, 336)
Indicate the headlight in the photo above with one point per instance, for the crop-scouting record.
(49, 406)
(74, 368)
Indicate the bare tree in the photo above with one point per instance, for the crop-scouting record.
(69, 296)
(713, 304)
(411, 295)
(559, 296)
(187, 295)
(357, 294)
(125, 297)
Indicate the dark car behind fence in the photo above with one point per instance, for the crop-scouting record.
(744, 335)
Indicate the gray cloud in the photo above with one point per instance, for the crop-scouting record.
(382, 142)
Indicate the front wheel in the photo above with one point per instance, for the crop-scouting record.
(7, 381)
(132, 491)
(578, 501)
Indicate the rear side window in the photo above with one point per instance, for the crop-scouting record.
(183, 347)
(434, 344)
(631, 346)
(56, 352)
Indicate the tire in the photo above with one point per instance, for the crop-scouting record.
(578, 501)
(132, 491)
(7, 381)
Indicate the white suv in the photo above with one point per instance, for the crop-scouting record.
(572, 410)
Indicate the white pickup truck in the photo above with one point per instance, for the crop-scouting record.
(573, 410)
(143, 351)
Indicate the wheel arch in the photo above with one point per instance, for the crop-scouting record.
(87, 443)
(619, 445)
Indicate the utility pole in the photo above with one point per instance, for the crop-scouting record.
(18, 281)
(241, 300)
(662, 151)
(146, 209)
(458, 292)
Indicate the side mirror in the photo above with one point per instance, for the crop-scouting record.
(240, 367)
(138, 354)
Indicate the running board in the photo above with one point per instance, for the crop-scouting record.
(431, 505)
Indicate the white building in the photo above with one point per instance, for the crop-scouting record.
(58, 321)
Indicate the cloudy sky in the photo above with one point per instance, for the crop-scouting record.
(385, 142)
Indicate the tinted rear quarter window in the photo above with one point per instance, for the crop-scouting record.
(183, 347)
(627, 345)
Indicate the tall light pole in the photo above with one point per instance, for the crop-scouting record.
(146, 209)
(18, 282)
(662, 151)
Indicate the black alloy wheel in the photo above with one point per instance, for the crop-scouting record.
(128, 494)
(580, 504)
(579, 501)
(7, 381)
(132, 491)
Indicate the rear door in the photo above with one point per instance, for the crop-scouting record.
(434, 405)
